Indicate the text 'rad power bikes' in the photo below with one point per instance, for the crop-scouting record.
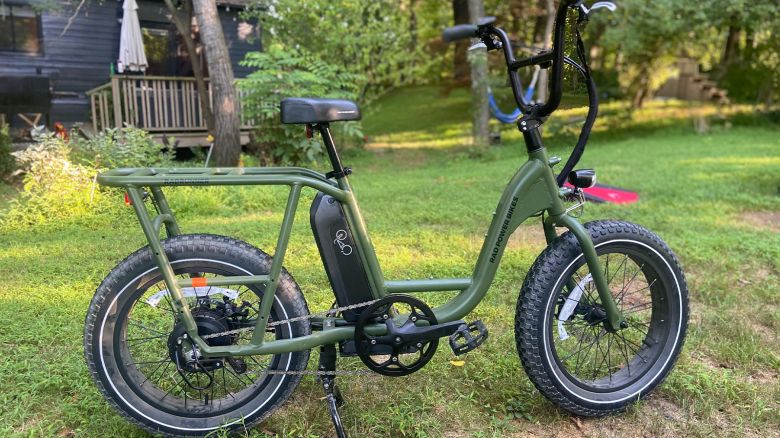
(198, 332)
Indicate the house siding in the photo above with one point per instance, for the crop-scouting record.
(77, 61)
(81, 59)
(241, 38)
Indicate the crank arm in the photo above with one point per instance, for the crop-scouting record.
(427, 333)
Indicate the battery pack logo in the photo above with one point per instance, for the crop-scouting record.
(341, 236)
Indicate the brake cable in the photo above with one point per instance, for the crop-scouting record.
(593, 106)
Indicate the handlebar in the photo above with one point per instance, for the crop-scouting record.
(496, 38)
(487, 32)
(459, 32)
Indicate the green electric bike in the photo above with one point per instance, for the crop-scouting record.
(197, 332)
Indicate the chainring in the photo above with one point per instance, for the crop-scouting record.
(390, 354)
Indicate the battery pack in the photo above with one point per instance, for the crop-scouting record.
(340, 256)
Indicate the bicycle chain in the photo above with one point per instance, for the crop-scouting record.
(331, 311)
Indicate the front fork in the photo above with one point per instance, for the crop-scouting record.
(615, 318)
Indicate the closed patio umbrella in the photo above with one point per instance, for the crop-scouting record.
(131, 43)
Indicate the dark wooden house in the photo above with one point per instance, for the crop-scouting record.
(60, 60)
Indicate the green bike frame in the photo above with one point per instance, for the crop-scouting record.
(531, 191)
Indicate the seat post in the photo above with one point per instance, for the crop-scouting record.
(338, 169)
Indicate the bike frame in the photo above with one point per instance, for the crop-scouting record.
(532, 191)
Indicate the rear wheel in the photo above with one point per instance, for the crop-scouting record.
(564, 340)
(141, 361)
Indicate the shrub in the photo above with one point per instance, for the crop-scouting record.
(7, 162)
(284, 73)
(54, 186)
(125, 147)
(59, 176)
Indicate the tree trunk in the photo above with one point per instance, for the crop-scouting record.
(750, 39)
(641, 87)
(479, 82)
(541, 84)
(731, 49)
(227, 145)
(460, 71)
(185, 30)
(413, 23)
(539, 22)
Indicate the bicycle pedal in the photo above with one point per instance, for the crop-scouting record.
(468, 337)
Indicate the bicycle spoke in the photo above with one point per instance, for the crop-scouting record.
(625, 356)
(146, 339)
(138, 324)
(609, 364)
(177, 384)
(638, 347)
(595, 340)
(579, 349)
(147, 378)
(146, 363)
(620, 297)
(638, 308)
(597, 367)
(224, 385)
(622, 264)
(639, 290)
(251, 382)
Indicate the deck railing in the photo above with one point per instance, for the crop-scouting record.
(153, 103)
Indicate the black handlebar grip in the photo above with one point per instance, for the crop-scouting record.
(459, 32)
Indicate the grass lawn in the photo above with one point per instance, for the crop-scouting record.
(427, 200)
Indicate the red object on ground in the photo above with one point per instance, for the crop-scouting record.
(615, 195)
(61, 132)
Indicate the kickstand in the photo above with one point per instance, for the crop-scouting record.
(332, 393)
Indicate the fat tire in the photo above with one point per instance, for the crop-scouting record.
(182, 247)
(532, 305)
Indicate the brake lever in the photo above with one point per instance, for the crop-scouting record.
(478, 46)
(598, 5)
(609, 5)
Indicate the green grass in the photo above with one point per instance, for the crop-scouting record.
(427, 200)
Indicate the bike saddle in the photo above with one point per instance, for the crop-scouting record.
(309, 110)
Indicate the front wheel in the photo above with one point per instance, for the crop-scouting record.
(565, 342)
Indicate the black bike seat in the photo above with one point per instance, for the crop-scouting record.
(310, 110)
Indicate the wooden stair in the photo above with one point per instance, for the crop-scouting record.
(691, 84)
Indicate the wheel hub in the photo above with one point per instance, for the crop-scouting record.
(185, 354)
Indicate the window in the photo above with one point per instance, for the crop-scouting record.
(19, 29)
(158, 51)
(166, 52)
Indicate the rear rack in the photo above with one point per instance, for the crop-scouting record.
(220, 176)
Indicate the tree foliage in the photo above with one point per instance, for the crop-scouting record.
(376, 41)
(288, 72)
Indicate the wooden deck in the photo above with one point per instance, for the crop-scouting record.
(161, 105)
